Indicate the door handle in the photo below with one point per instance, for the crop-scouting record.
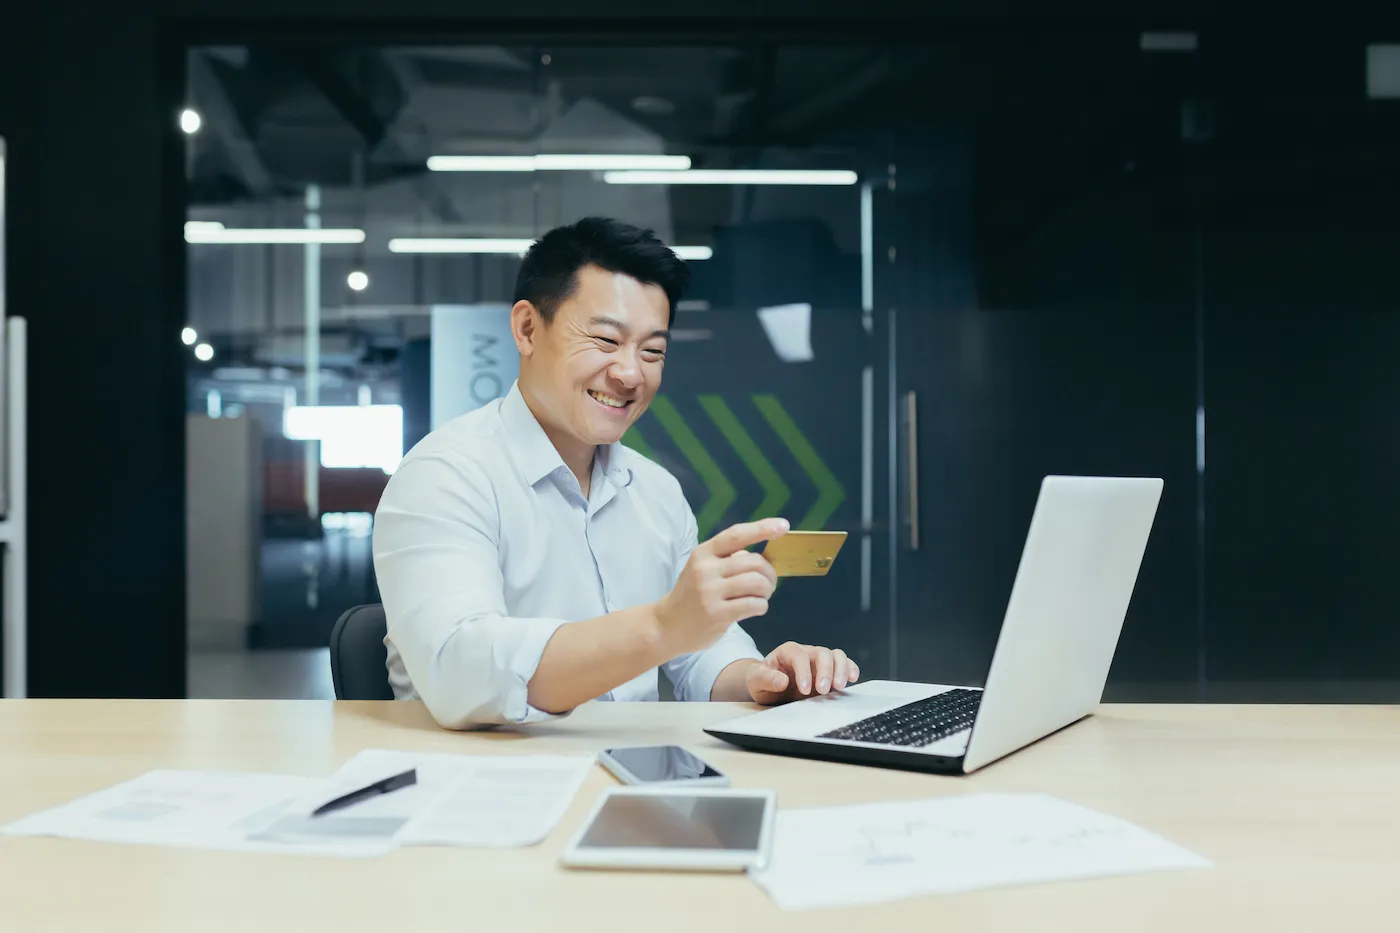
(911, 467)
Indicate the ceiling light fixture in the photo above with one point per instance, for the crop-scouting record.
(557, 163)
(188, 336)
(190, 121)
(199, 232)
(458, 245)
(737, 176)
(203, 352)
(501, 247)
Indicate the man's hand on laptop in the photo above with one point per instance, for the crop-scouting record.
(794, 672)
(722, 583)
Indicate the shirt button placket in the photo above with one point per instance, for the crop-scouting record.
(598, 567)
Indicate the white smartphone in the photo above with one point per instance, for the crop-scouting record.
(669, 828)
(660, 764)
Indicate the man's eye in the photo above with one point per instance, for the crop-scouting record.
(608, 340)
(654, 353)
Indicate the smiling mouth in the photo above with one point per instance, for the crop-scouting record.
(607, 401)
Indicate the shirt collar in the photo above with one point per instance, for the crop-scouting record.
(534, 453)
(610, 458)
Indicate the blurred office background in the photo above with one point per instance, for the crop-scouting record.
(966, 253)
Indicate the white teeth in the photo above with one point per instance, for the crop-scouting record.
(607, 400)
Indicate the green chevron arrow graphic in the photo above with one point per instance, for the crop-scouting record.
(775, 492)
(830, 493)
(721, 490)
(634, 439)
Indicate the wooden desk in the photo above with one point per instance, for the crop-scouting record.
(1298, 806)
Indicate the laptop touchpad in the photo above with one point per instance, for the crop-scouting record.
(808, 718)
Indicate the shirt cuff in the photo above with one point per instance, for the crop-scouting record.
(735, 645)
(516, 654)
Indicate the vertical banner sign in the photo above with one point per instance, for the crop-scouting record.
(473, 358)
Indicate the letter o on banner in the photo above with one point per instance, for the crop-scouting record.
(472, 357)
(486, 387)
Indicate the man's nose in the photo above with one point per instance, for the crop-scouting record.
(627, 369)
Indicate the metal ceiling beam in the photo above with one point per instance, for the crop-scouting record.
(850, 87)
(478, 76)
(348, 101)
(409, 77)
(222, 120)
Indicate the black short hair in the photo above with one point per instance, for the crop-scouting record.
(549, 273)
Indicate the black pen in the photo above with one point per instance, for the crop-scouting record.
(386, 786)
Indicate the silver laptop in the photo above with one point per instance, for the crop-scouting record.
(1075, 580)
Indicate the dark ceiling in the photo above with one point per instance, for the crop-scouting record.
(1046, 126)
(1072, 109)
(284, 116)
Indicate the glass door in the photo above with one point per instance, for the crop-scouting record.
(1042, 275)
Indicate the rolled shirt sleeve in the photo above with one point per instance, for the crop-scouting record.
(436, 557)
(693, 675)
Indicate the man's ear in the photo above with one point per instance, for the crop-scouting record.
(525, 324)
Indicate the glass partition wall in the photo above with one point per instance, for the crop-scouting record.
(928, 272)
(355, 225)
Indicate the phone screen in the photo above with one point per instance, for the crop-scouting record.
(662, 763)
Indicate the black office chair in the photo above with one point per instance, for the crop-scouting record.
(358, 655)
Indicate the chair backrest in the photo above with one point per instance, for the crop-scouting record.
(359, 660)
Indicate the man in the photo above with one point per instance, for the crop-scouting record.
(529, 562)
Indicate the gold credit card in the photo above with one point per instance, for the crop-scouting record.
(804, 553)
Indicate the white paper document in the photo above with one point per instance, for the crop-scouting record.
(458, 800)
(189, 809)
(831, 856)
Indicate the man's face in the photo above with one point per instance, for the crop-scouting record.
(597, 365)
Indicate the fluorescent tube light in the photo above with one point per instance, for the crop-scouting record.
(203, 234)
(201, 225)
(603, 163)
(733, 177)
(481, 163)
(557, 163)
(502, 247)
(458, 245)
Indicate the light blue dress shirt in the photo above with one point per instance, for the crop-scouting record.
(484, 545)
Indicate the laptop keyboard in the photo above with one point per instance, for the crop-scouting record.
(922, 722)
